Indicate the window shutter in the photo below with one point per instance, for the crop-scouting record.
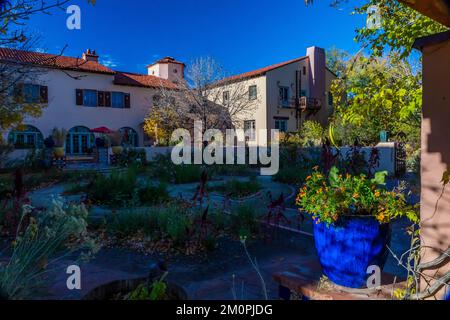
(127, 101)
(101, 98)
(18, 92)
(43, 94)
(107, 99)
(79, 97)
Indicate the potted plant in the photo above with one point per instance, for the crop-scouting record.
(115, 138)
(352, 216)
(59, 139)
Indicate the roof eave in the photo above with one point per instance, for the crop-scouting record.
(430, 40)
(438, 10)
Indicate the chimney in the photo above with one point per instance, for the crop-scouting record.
(90, 55)
(167, 68)
(317, 78)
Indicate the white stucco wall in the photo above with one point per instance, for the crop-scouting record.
(285, 77)
(62, 111)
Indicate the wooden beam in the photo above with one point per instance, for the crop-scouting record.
(438, 10)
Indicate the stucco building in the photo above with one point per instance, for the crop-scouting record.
(81, 94)
(286, 94)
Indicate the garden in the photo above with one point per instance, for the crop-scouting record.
(339, 220)
(225, 220)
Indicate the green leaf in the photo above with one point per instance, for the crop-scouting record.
(380, 178)
(446, 177)
(334, 177)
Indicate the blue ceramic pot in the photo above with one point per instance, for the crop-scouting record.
(346, 249)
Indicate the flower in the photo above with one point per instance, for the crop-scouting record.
(377, 194)
(308, 178)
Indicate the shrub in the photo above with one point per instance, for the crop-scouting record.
(49, 235)
(152, 195)
(238, 189)
(132, 222)
(245, 221)
(328, 199)
(172, 221)
(133, 157)
(116, 189)
(164, 169)
(295, 175)
(186, 173)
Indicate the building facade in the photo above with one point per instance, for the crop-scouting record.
(285, 95)
(81, 95)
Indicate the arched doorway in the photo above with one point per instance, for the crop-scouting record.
(130, 137)
(27, 137)
(80, 141)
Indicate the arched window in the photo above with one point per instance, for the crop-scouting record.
(27, 137)
(130, 137)
(80, 141)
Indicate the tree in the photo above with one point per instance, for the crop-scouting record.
(205, 96)
(379, 94)
(400, 27)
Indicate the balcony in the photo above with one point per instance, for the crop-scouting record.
(304, 104)
(310, 104)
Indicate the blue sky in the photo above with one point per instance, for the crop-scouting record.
(241, 34)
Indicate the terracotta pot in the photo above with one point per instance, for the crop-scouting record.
(59, 152)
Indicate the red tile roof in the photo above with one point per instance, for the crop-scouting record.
(75, 64)
(52, 61)
(141, 80)
(259, 72)
(166, 60)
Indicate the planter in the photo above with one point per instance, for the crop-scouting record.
(59, 152)
(348, 248)
(111, 290)
(117, 150)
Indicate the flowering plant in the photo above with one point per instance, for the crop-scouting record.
(328, 199)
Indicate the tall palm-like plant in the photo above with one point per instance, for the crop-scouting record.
(59, 137)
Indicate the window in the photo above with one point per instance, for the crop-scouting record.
(29, 137)
(304, 71)
(330, 98)
(118, 100)
(249, 128)
(31, 93)
(226, 97)
(129, 137)
(90, 98)
(252, 92)
(281, 124)
(284, 96)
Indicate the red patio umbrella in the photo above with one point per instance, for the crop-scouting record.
(103, 130)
